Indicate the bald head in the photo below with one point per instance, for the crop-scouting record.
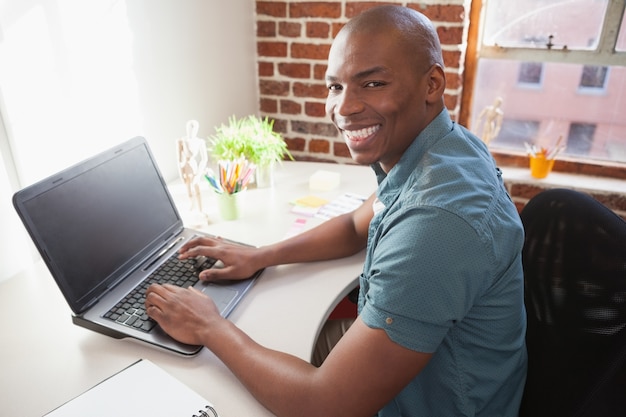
(400, 24)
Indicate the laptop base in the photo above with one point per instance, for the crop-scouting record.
(173, 345)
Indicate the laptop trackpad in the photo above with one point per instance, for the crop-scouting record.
(221, 295)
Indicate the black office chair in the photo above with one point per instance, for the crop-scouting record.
(574, 261)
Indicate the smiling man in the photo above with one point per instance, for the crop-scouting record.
(441, 323)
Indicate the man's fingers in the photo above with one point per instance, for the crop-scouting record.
(157, 297)
(215, 274)
(156, 294)
(200, 242)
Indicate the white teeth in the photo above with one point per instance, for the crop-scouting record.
(361, 133)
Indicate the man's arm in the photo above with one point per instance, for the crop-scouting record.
(363, 372)
(338, 237)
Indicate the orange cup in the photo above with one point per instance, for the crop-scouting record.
(540, 167)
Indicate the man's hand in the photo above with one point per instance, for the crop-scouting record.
(238, 261)
(186, 314)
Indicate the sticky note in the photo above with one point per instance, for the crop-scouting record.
(310, 201)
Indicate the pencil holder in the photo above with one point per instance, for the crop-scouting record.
(228, 206)
(540, 166)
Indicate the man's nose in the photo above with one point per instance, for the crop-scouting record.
(349, 102)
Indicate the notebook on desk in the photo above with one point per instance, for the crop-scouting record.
(141, 389)
(105, 226)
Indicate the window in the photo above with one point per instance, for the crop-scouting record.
(516, 131)
(67, 70)
(593, 77)
(554, 74)
(580, 138)
(530, 73)
(621, 39)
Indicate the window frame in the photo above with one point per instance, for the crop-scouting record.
(605, 54)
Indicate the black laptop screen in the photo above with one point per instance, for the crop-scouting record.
(95, 222)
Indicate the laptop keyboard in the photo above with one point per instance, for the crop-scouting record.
(130, 311)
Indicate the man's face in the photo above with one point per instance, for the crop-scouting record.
(377, 96)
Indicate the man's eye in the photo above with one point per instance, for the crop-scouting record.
(334, 87)
(374, 84)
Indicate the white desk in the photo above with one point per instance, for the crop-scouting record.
(45, 360)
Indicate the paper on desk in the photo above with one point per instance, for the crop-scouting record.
(142, 389)
(340, 205)
(324, 209)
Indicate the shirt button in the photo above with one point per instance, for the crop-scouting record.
(389, 320)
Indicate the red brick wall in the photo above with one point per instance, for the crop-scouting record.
(293, 39)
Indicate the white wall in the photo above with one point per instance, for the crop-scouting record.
(194, 59)
(80, 76)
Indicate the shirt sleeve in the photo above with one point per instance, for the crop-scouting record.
(427, 267)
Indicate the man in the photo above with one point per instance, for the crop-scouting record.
(441, 322)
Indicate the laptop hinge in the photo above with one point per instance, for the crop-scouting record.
(163, 252)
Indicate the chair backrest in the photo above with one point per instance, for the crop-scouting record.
(574, 261)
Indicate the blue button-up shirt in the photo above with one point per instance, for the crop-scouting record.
(443, 274)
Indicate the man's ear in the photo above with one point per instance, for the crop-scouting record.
(436, 83)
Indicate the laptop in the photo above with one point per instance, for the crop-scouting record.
(102, 227)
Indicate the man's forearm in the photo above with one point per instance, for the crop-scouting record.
(333, 239)
(338, 237)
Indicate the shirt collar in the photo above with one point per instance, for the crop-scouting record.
(389, 184)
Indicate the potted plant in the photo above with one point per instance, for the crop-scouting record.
(253, 138)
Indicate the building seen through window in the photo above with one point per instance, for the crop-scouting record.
(557, 75)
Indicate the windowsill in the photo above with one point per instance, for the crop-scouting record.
(522, 187)
(565, 180)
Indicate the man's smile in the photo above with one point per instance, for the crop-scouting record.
(360, 134)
